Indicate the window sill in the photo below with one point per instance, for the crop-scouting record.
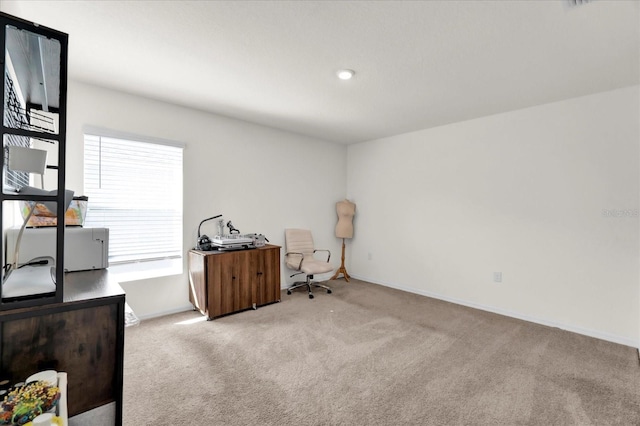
(125, 272)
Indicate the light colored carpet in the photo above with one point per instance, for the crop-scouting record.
(370, 355)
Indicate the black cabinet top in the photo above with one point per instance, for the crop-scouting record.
(81, 290)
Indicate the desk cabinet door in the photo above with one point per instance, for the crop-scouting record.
(197, 283)
(267, 275)
(229, 283)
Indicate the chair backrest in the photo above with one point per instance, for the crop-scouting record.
(300, 241)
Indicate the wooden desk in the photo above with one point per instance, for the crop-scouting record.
(82, 336)
(221, 282)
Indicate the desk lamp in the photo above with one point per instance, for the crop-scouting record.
(204, 242)
(51, 205)
(31, 161)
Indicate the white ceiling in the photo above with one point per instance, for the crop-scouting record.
(418, 64)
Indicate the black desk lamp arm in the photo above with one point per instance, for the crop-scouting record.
(210, 218)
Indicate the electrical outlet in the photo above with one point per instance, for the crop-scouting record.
(497, 277)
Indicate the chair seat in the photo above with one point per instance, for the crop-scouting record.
(314, 266)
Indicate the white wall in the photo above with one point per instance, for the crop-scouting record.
(439, 210)
(522, 193)
(262, 179)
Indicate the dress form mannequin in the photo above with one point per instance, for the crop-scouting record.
(344, 229)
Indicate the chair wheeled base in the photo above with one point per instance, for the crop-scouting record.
(307, 283)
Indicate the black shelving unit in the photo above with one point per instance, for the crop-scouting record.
(34, 105)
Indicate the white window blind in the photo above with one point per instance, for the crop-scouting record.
(135, 190)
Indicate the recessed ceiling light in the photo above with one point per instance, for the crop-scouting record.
(345, 74)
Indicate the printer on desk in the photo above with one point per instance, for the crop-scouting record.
(84, 248)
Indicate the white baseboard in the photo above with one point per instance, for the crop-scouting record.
(101, 416)
(163, 313)
(568, 327)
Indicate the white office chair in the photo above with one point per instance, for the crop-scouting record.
(300, 257)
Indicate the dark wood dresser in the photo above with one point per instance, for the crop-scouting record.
(82, 336)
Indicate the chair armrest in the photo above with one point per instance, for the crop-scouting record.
(328, 254)
(297, 253)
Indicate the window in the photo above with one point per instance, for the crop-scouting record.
(134, 187)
